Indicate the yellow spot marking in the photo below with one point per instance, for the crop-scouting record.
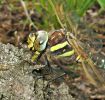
(35, 56)
(78, 58)
(37, 52)
(66, 54)
(58, 46)
(30, 41)
(32, 38)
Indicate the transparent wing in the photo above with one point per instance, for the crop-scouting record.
(90, 41)
(93, 47)
(88, 65)
(86, 44)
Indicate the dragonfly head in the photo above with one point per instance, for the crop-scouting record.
(38, 41)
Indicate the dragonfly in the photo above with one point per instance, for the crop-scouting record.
(71, 45)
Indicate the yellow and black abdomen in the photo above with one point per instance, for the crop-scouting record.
(60, 49)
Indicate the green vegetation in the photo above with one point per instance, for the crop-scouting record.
(46, 9)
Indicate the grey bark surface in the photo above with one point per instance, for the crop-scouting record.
(17, 81)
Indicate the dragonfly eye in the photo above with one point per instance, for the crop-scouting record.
(41, 42)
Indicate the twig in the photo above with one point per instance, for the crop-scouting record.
(53, 7)
(27, 14)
